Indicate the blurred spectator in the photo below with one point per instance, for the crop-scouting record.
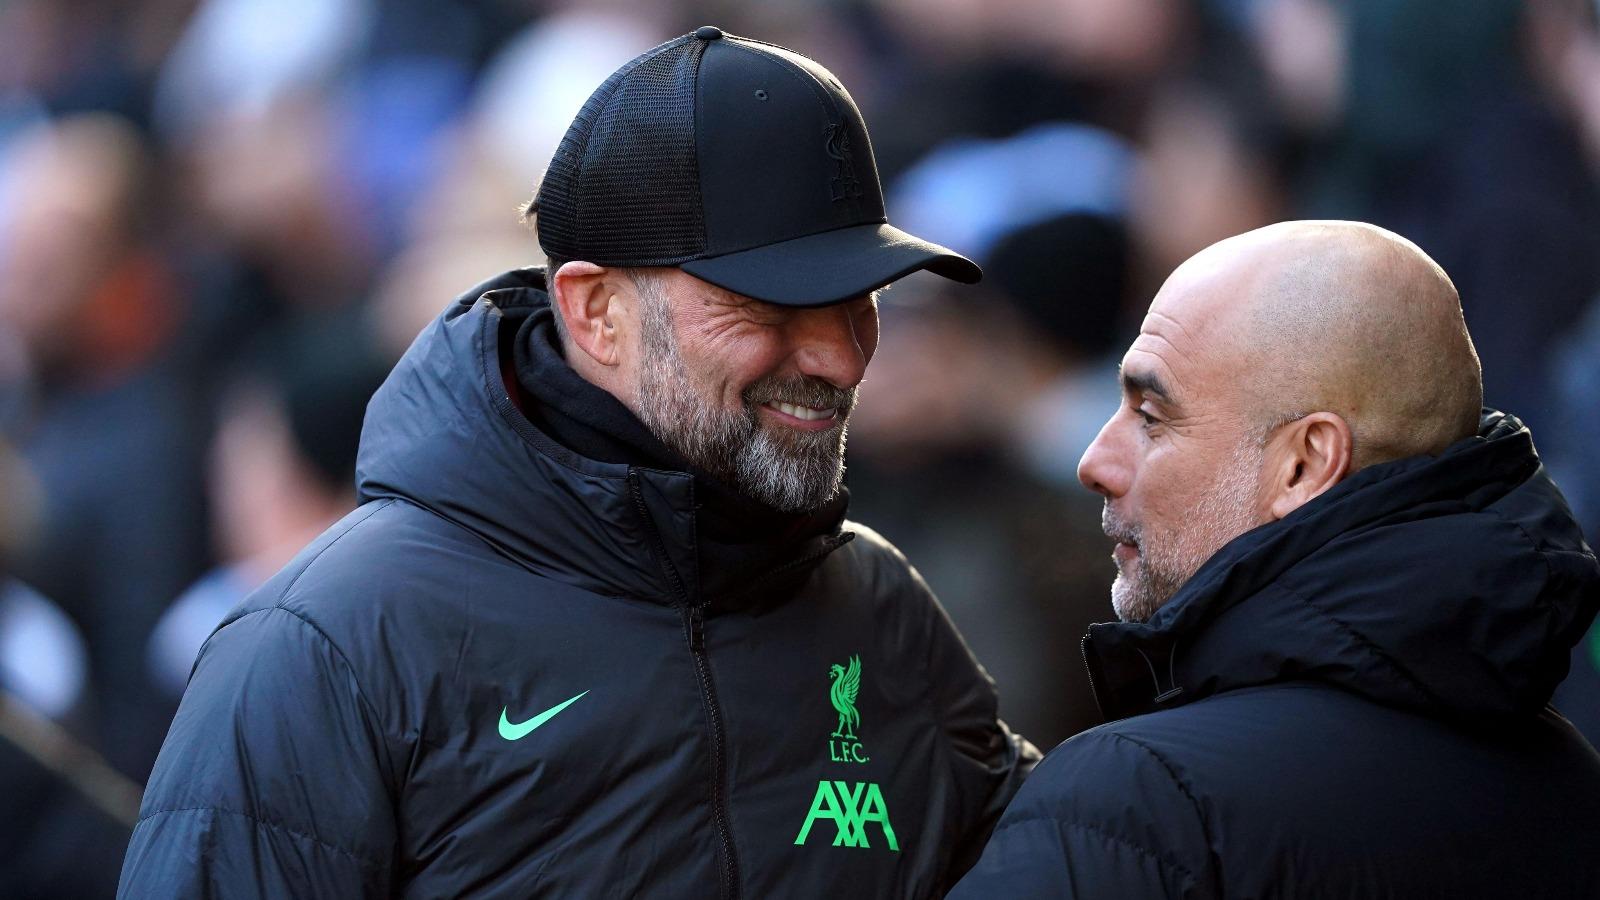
(1425, 116)
(1570, 442)
(1017, 561)
(272, 232)
(106, 429)
(993, 398)
(71, 56)
(408, 291)
(1569, 449)
(1564, 49)
(539, 80)
(960, 68)
(1069, 277)
(970, 193)
(238, 58)
(1205, 174)
(282, 469)
(53, 844)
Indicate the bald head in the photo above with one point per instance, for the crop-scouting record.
(1338, 317)
(1271, 366)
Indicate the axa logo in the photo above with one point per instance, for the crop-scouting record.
(851, 809)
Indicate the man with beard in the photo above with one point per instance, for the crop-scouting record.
(599, 627)
(1346, 592)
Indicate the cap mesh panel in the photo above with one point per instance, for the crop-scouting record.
(623, 187)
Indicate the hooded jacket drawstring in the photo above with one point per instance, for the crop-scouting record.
(1162, 695)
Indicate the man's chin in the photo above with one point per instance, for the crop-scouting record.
(1130, 602)
(789, 475)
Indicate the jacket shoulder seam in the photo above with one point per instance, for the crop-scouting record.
(1533, 544)
(289, 588)
(1166, 766)
(1362, 640)
(361, 693)
(284, 596)
(1177, 782)
(506, 553)
(361, 858)
(1106, 833)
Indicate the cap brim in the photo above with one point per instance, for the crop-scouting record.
(832, 266)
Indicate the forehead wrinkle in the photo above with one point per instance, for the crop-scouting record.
(1177, 349)
(1175, 324)
(1151, 380)
(1162, 349)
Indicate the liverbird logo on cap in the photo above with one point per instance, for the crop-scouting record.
(843, 185)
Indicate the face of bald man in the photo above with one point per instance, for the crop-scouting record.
(1179, 463)
(1261, 360)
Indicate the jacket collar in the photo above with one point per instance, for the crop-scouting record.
(442, 432)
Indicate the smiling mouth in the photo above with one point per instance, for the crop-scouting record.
(803, 413)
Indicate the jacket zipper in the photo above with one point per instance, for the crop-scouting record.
(694, 631)
(694, 634)
(1094, 688)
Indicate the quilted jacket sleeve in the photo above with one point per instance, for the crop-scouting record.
(274, 778)
(1102, 816)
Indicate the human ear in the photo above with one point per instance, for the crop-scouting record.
(1310, 455)
(588, 297)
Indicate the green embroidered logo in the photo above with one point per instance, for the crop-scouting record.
(850, 810)
(846, 687)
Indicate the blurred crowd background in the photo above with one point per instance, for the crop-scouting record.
(221, 221)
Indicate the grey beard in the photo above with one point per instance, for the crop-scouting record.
(1166, 562)
(791, 471)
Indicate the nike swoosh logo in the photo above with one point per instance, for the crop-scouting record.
(517, 732)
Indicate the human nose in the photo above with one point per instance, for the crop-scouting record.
(1105, 467)
(832, 343)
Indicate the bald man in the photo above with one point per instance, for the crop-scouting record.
(1346, 593)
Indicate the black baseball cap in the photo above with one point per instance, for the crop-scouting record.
(741, 162)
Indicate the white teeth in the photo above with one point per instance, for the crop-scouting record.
(801, 412)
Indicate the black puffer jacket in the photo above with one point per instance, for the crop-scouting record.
(1349, 702)
(509, 674)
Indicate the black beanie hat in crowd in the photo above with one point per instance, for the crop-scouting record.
(1069, 276)
(740, 162)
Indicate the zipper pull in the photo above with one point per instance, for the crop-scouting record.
(695, 623)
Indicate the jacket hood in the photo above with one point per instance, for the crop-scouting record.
(1454, 585)
(442, 432)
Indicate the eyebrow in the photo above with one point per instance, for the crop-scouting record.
(1146, 382)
